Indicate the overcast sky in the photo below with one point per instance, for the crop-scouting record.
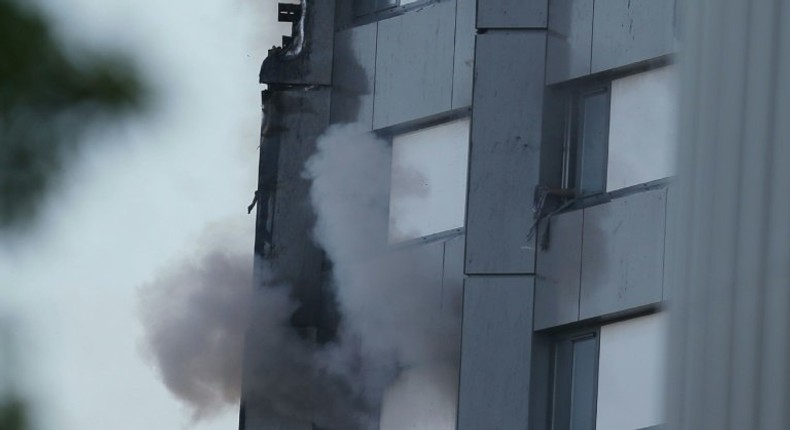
(143, 196)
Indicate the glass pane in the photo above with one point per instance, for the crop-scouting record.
(631, 374)
(574, 383)
(593, 130)
(583, 384)
(642, 130)
(428, 188)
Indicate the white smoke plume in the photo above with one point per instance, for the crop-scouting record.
(388, 296)
(195, 317)
(395, 314)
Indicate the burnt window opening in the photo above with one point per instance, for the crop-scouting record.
(295, 14)
(287, 12)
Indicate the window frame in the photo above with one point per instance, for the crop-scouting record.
(562, 376)
(576, 144)
(571, 96)
(388, 134)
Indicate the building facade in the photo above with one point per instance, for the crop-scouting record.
(542, 133)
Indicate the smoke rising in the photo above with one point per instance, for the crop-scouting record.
(388, 296)
(396, 314)
(195, 317)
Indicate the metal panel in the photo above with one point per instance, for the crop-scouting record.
(623, 254)
(570, 39)
(670, 239)
(628, 31)
(504, 151)
(512, 13)
(453, 282)
(496, 353)
(453, 276)
(353, 75)
(414, 64)
(464, 53)
(559, 271)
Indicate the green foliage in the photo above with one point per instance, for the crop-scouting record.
(46, 99)
(13, 416)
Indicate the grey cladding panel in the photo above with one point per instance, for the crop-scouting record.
(559, 271)
(464, 53)
(628, 31)
(671, 262)
(453, 278)
(504, 151)
(496, 353)
(570, 39)
(426, 267)
(512, 13)
(353, 75)
(453, 281)
(623, 254)
(414, 65)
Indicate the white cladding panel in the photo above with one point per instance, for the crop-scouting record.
(631, 374)
(428, 190)
(642, 128)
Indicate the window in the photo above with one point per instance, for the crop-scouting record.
(620, 132)
(642, 129)
(589, 140)
(631, 374)
(610, 378)
(575, 373)
(428, 186)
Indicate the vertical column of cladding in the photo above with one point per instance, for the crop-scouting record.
(296, 109)
(498, 347)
